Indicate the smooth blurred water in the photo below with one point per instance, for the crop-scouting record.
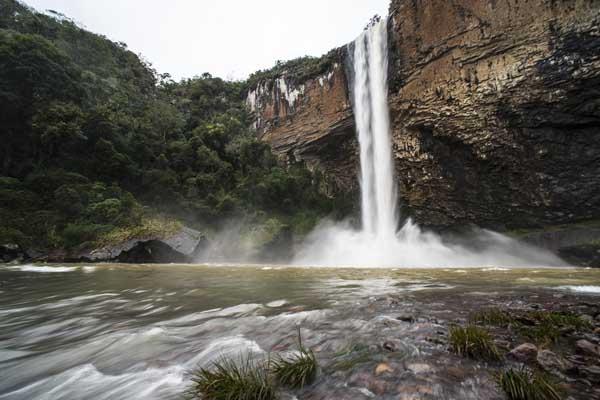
(135, 331)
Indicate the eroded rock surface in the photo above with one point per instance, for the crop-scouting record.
(495, 110)
(311, 121)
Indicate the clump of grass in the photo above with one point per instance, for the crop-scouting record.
(560, 319)
(492, 316)
(296, 370)
(231, 380)
(473, 342)
(527, 385)
(548, 325)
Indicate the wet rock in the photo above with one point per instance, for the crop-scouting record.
(393, 345)
(457, 373)
(592, 373)
(419, 368)
(523, 353)
(406, 318)
(368, 381)
(413, 392)
(382, 369)
(552, 363)
(588, 348)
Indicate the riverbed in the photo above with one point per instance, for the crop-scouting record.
(138, 331)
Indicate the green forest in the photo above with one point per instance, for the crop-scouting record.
(98, 147)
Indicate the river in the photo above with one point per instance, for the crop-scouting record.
(136, 331)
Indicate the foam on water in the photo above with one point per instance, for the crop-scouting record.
(581, 289)
(42, 269)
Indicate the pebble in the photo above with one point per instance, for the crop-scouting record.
(419, 368)
(382, 369)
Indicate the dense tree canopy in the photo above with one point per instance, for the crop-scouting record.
(94, 140)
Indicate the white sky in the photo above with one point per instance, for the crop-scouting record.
(228, 38)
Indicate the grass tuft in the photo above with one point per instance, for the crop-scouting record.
(492, 316)
(231, 380)
(526, 385)
(296, 370)
(473, 342)
(547, 325)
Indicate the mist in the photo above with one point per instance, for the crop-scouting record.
(339, 245)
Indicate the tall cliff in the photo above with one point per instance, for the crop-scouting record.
(495, 112)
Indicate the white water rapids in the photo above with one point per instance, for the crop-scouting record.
(379, 243)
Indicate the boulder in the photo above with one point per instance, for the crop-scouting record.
(526, 352)
(10, 252)
(181, 247)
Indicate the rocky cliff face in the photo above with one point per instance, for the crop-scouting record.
(310, 121)
(495, 112)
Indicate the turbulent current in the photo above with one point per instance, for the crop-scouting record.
(379, 243)
(129, 332)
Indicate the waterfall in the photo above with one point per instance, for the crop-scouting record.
(378, 188)
(379, 243)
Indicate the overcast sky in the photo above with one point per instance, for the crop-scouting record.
(228, 38)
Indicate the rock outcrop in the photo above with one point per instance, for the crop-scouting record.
(494, 108)
(496, 118)
(310, 121)
(183, 246)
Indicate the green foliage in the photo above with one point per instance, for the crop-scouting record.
(527, 385)
(231, 380)
(296, 370)
(493, 316)
(473, 342)
(90, 133)
(297, 70)
(543, 327)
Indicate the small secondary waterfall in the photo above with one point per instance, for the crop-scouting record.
(379, 243)
(378, 186)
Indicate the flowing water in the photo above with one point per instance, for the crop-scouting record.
(377, 178)
(134, 331)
